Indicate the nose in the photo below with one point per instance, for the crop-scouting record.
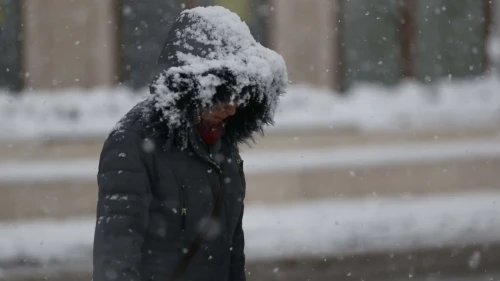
(230, 109)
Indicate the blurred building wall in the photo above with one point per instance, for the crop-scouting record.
(88, 43)
(304, 33)
(69, 43)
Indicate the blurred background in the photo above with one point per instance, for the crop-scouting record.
(383, 164)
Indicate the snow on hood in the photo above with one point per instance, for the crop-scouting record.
(210, 56)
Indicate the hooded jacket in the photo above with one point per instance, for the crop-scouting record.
(159, 183)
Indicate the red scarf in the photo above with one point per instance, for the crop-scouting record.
(210, 135)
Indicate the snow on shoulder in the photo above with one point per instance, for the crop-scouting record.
(210, 55)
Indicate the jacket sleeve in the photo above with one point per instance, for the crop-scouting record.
(122, 208)
(237, 267)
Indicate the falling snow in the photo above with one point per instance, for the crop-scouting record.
(451, 50)
(148, 145)
(117, 197)
(475, 260)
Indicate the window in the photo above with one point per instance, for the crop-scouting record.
(144, 27)
(384, 40)
(370, 46)
(450, 38)
(255, 13)
(10, 35)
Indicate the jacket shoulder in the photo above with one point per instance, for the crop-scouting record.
(136, 120)
(131, 132)
(140, 128)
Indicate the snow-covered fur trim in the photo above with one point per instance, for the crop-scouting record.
(210, 56)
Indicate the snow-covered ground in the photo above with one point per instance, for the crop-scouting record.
(270, 162)
(318, 229)
(76, 113)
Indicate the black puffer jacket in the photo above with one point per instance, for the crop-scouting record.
(159, 183)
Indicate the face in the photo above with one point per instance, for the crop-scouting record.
(218, 113)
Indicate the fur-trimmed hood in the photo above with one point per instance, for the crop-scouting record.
(209, 55)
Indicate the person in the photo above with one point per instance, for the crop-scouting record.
(171, 179)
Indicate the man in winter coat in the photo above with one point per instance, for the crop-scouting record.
(171, 180)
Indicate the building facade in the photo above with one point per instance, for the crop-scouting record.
(54, 44)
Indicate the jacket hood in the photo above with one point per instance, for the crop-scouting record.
(210, 56)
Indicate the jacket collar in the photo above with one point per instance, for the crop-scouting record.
(209, 153)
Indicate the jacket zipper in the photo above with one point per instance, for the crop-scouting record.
(222, 189)
(183, 207)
